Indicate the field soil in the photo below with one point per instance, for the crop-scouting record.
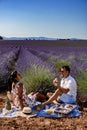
(22, 123)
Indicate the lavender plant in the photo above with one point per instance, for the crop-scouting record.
(38, 78)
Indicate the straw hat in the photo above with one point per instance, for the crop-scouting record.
(27, 110)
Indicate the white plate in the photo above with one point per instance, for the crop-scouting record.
(70, 107)
(66, 109)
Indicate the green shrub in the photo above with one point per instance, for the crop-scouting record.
(38, 78)
(82, 83)
(60, 63)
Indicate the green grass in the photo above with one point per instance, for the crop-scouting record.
(38, 78)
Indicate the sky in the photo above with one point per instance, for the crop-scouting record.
(43, 18)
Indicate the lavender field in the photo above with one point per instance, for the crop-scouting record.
(22, 55)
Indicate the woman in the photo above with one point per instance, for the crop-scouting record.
(18, 93)
(19, 97)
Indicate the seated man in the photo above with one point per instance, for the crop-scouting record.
(66, 91)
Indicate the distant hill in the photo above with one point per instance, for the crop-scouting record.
(38, 38)
(28, 38)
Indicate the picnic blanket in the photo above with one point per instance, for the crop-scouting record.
(50, 111)
(58, 112)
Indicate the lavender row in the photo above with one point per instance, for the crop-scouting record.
(7, 48)
(6, 61)
(76, 55)
(26, 60)
(44, 56)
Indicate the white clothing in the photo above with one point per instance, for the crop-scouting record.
(70, 83)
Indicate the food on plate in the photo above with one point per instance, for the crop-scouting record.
(69, 106)
(63, 111)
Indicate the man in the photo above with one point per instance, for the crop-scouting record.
(66, 91)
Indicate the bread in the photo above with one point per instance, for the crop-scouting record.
(38, 108)
(50, 111)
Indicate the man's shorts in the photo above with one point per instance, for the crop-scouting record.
(66, 98)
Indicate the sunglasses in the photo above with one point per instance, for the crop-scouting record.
(62, 71)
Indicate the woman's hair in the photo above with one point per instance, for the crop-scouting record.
(13, 75)
(12, 79)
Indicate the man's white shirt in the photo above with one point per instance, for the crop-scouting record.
(69, 83)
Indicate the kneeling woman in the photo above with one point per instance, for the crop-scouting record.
(19, 97)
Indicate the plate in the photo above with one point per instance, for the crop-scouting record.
(62, 111)
(66, 109)
(70, 107)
